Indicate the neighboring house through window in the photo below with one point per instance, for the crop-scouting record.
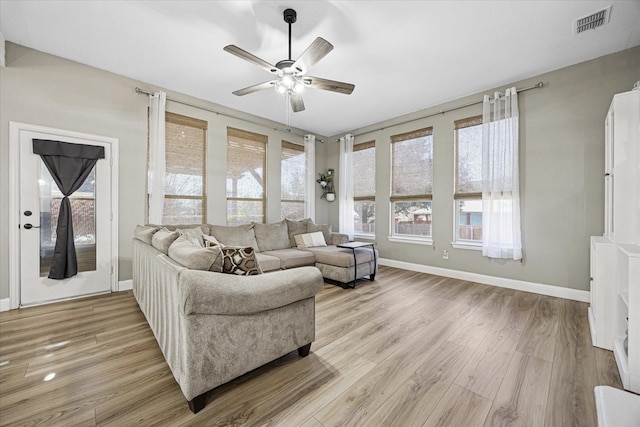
(185, 199)
(468, 181)
(246, 165)
(292, 180)
(364, 188)
(412, 184)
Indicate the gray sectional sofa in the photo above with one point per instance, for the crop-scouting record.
(213, 327)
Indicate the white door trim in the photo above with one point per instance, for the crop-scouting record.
(15, 128)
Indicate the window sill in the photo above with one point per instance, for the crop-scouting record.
(412, 240)
(467, 246)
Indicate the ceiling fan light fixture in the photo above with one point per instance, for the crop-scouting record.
(289, 75)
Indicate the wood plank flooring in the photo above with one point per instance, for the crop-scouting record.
(409, 349)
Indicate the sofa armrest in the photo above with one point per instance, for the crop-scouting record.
(338, 239)
(205, 292)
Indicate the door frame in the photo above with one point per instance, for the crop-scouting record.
(15, 129)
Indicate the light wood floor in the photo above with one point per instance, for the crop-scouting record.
(409, 349)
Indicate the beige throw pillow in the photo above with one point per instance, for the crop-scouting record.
(163, 238)
(187, 251)
(310, 240)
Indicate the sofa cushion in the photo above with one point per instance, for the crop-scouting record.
(163, 238)
(196, 233)
(240, 236)
(267, 262)
(292, 258)
(332, 255)
(187, 251)
(240, 261)
(145, 232)
(310, 240)
(325, 228)
(296, 227)
(272, 236)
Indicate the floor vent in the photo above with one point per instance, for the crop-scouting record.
(595, 20)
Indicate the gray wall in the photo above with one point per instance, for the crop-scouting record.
(562, 157)
(561, 168)
(46, 90)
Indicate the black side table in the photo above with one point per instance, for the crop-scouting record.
(356, 245)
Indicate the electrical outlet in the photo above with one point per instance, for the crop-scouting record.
(445, 254)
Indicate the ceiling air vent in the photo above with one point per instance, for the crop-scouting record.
(595, 20)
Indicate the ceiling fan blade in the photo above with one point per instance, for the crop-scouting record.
(314, 53)
(296, 103)
(254, 88)
(332, 85)
(241, 53)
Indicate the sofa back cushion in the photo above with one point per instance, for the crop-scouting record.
(145, 232)
(187, 251)
(295, 228)
(271, 237)
(241, 235)
(163, 238)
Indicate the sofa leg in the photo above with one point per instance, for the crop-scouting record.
(197, 403)
(304, 350)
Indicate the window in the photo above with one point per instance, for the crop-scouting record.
(292, 180)
(364, 188)
(246, 164)
(185, 199)
(468, 181)
(412, 183)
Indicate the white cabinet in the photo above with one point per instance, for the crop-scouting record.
(622, 169)
(627, 318)
(603, 280)
(614, 313)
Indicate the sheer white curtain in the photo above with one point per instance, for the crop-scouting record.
(501, 236)
(157, 162)
(345, 189)
(310, 177)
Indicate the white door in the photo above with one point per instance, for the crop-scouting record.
(39, 203)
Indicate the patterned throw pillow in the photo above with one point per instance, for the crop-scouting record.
(240, 261)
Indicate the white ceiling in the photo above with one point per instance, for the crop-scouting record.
(402, 56)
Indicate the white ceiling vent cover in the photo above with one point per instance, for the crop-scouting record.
(595, 20)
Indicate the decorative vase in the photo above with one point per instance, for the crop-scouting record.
(331, 197)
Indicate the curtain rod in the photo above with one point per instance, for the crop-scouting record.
(144, 92)
(535, 86)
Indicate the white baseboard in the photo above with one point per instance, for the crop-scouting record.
(4, 304)
(125, 285)
(520, 285)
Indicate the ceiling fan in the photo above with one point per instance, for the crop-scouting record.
(290, 76)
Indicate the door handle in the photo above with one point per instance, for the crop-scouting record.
(29, 226)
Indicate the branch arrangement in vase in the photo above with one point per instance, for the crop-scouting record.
(326, 183)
